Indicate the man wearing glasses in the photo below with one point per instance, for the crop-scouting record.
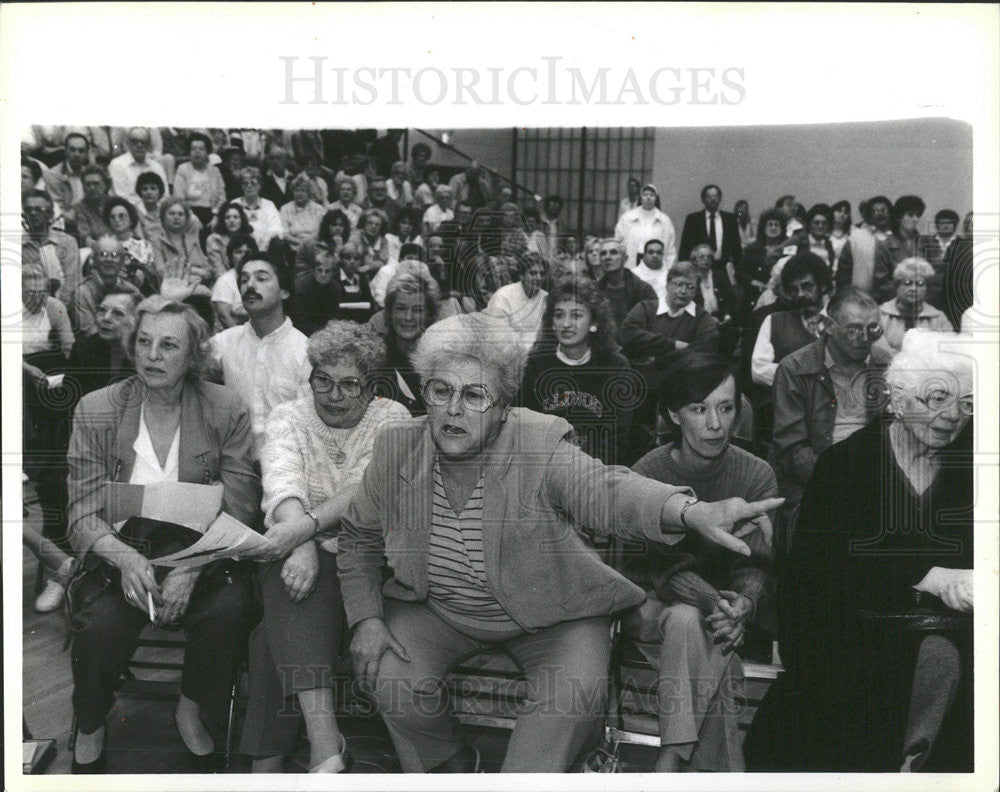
(827, 390)
(655, 328)
(124, 170)
(106, 277)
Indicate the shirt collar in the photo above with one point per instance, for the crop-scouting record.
(274, 335)
(690, 308)
(569, 361)
(830, 363)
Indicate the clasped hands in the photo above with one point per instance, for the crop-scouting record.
(728, 620)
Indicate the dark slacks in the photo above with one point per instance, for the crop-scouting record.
(297, 646)
(218, 620)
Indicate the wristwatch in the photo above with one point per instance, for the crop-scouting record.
(687, 505)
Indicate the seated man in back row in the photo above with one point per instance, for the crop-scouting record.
(827, 390)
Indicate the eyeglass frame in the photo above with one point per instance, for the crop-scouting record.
(908, 282)
(683, 285)
(947, 404)
(490, 401)
(337, 385)
(871, 333)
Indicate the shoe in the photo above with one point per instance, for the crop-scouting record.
(50, 598)
(336, 763)
(210, 762)
(98, 767)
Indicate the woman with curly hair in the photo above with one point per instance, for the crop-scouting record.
(315, 452)
(232, 222)
(576, 371)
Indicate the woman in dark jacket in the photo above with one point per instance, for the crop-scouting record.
(876, 596)
(576, 371)
(412, 304)
(754, 270)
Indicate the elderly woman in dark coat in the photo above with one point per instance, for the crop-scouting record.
(871, 601)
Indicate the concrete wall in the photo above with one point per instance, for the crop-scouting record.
(931, 158)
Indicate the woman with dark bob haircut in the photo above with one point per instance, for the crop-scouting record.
(164, 424)
(700, 598)
(576, 371)
(465, 534)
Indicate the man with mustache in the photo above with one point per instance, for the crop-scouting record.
(806, 282)
(264, 360)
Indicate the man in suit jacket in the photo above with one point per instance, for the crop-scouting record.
(276, 186)
(712, 226)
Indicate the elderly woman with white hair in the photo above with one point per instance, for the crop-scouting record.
(909, 308)
(477, 509)
(315, 452)
(877, 651)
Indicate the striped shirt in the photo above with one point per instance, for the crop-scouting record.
(456, 571)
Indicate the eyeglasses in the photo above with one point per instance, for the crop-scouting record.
(104, 254)
(908, 282)
(939, 402)
(683, 285)
(439, 393)
(855, 333)
(350, 387)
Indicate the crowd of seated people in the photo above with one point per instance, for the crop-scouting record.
(409, 384)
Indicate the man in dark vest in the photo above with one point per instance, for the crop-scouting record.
(806, 284)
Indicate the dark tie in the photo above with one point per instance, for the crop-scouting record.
(711, 233)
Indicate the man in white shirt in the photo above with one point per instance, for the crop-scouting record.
(856, 266)
(643, 223)
(264, 360)
(264, 217)
(806, 284)
(651, 268)
(124, 170)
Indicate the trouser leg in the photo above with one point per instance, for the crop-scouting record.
(217, 624)
(697, 684)
(411, 696)
(101, 651)
(935, 683)
(566, 666)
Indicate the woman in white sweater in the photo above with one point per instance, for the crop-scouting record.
(315, 453)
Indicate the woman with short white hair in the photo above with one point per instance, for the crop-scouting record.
(878, 655)
(477, 510)
(909, 308)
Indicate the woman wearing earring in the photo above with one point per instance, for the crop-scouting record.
(575, 370)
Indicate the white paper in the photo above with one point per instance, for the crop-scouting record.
(226, 537)
(191, 505)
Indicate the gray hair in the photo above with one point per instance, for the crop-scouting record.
(851, 296)
(926, 356)
(374, 212)
(198, 332)
(618, 243)
(683, 269)
(343, 339)
(914, 266)
(482, 339)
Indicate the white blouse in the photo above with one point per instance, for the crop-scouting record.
(147, 468)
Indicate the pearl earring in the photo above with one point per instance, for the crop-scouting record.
(593, 328)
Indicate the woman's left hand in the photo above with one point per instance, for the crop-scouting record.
(728, 621)
(284, 538)
(300, 571)
(176, 593)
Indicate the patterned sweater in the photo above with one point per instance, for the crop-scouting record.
(304, 458)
